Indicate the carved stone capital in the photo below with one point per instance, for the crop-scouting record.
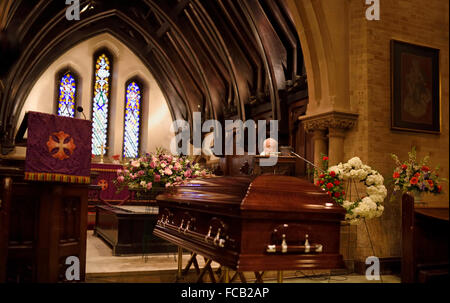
(330, 120)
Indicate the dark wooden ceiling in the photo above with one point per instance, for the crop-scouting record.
(228, 59)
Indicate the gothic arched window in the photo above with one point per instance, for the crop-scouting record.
(101, 102)
(67, 89)
(133, 106)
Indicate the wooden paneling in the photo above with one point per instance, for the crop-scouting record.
(47, 224)
(5, 205)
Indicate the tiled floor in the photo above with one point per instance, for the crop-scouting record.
(102, 266)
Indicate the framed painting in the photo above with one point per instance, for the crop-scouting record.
(415, 86)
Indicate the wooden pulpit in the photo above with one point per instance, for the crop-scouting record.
(47, 198)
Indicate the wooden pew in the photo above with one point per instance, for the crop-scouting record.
(424, 243)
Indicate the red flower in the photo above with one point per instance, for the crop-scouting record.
(337, 194)
(404, 166)
(332, 173)
(317, 183)
(329, 193)
(430, 182)
(439, 188)
(325, 158)
(417, 175)
(343, 193)
(425, 168)
(322, 176)
(414, 180)
(396, 175)
(322, 182)
(329, 185)
(337, 182)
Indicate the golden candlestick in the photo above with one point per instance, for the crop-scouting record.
(102, 149)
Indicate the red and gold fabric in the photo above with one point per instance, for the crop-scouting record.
(58, 149)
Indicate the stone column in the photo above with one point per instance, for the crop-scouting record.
(320, 146)
(336, 145)
(335, 123)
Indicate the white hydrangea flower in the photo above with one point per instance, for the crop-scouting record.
(346, 204)
(367, 168)
(355, 162)
(370, 206)
(347, 167)
(371, 180)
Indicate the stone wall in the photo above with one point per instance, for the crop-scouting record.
(421, 22)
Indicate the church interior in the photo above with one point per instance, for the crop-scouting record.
(92, 191)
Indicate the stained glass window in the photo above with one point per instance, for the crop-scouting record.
(101, 104)
(66, 100)
(132, 120)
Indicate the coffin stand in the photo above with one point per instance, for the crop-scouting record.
(256, 224)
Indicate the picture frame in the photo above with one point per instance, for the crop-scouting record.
(415, 88)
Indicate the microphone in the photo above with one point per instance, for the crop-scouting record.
(80, 110)
(310, 163)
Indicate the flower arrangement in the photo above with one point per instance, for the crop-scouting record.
(368, 206)
(160, 170)
(330, 182)
(116, 159)
(415, 176)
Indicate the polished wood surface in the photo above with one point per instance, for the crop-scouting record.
(233, 220)
(129, 230)
(47, 224)
(424, 243)
(436, 213)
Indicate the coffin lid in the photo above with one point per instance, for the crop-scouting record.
(262, 193)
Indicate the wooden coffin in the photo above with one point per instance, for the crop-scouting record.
(254, 223)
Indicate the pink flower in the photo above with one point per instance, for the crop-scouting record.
(168, 171)
(203, 173)
(149, 185)
(121, 179)
(132, 176)
(119, 172)
(157, 178)
(178, 179)
(152, 164)
(141, 173)
(177, 167)
(188, 173)
(135, 163)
